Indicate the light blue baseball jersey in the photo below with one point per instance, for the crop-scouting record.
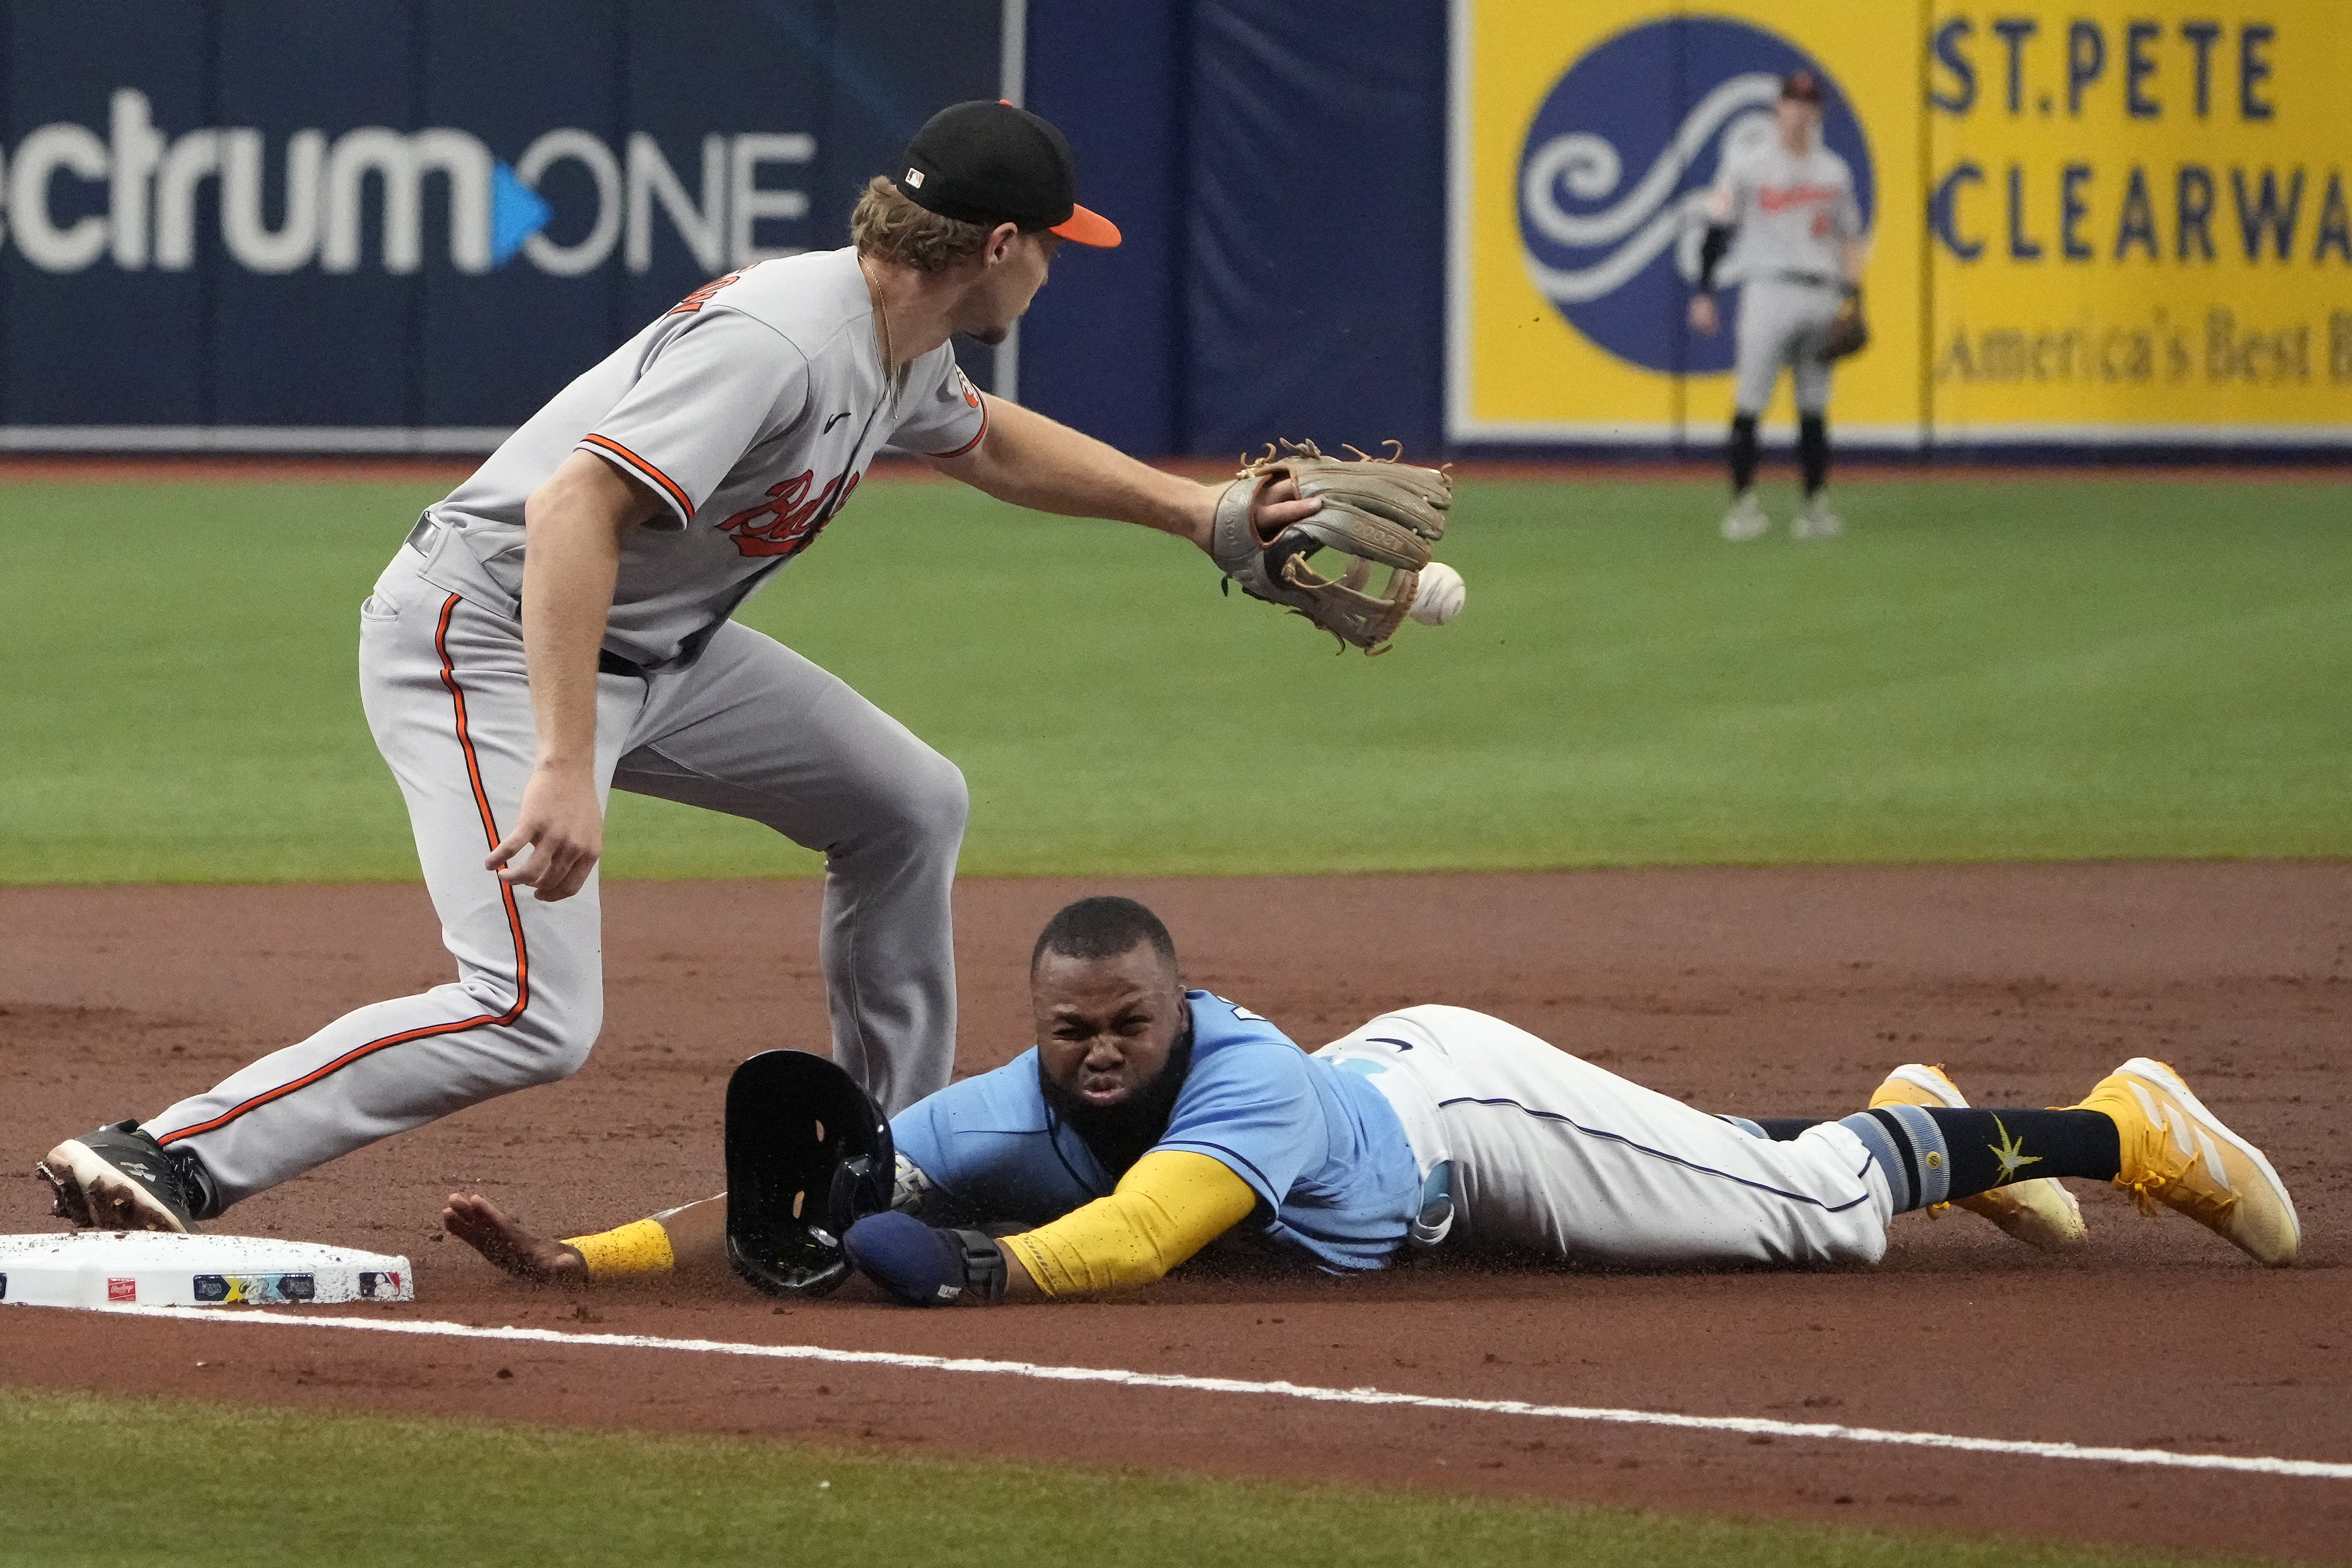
(1335, 1179)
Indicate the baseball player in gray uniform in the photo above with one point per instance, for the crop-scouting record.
(561, 626)
(1782, 222)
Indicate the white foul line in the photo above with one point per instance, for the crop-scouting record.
(1752, 1424)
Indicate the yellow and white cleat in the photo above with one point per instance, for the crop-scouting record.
(2178, 1153)
(2041, 1213)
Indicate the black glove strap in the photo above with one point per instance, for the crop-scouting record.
(983, 1267)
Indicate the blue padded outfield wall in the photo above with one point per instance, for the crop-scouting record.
(486, 198)
(399, 225)
(1278, 167)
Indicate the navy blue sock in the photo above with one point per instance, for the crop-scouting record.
(1743, 451)
(1780, 1129)
(1813, 451)
(1993, 1148)
(1932, 1154)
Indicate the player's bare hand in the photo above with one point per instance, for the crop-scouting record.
(499, 1236)
(1277, 506)
(562, 826)
(1703, 318)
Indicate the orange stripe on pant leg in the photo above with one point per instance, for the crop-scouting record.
(506, 895)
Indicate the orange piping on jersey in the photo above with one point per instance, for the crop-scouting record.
(505, 893)
(977, 438)
(701, 296)
(646, 472)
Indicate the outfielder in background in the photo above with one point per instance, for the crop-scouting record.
(560, 625)
(1149, 1121)
(1783, 223)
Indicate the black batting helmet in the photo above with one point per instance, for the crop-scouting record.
(808, 1155)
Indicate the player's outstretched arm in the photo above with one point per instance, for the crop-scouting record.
(1043, 463)
(1171, 1204)
(690, 1239)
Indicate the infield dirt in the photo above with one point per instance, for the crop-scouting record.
(1784, 991)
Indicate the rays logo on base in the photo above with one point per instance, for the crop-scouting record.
(260, 1289)
(1620, 159)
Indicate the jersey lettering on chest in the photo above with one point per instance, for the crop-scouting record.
(1780, 198)
(789, 520)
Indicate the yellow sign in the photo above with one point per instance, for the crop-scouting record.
(2088, 223)
(2139, 222)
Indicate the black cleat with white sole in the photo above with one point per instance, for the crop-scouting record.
(119, 1178)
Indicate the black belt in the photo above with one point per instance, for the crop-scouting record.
(420, 539)
(1813, 279)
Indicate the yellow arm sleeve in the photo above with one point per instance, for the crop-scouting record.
(1168, 1207)
(629, 1253)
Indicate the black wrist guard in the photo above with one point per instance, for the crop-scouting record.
(983, 1267)
(1711, 252)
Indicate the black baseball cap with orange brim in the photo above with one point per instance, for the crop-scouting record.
(990, 162)
(1802, 86)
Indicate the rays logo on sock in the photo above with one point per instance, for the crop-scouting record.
(2010, 1152)
(1620, 158)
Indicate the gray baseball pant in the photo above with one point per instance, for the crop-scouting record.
(751, 729)
(1782, 323)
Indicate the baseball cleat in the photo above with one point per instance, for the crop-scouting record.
(118, 1178)
(2041, 1213)
(2178, 1153)
(1816, 521)
(1746, 519)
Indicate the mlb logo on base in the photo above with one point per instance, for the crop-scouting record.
(122, 1290)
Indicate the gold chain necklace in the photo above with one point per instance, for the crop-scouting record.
(881, 327)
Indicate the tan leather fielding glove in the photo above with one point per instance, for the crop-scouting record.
(1377, 511)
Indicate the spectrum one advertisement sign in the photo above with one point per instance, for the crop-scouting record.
(400, 226)
(2096, 224)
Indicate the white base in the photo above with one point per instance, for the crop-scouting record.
(156, 1268)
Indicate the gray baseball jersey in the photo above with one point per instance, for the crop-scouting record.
(1794, 214)
(750, 409)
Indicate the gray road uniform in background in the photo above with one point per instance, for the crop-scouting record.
(752, 409)
(1793, 217)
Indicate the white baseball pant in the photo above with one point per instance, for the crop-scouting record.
(1555, 1157)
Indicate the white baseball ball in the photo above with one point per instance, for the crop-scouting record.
(1441, 595)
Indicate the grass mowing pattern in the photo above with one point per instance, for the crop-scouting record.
(1981, 670)
(115, 1481)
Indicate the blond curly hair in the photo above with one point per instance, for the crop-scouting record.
(889, 227)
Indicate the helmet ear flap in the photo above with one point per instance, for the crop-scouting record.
(808, 1155)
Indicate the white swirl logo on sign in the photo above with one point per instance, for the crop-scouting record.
(1618, 258)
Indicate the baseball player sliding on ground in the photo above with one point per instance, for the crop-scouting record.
(560, 626)
(1151, 1121)
(1782, 221)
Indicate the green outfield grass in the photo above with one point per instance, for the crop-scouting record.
(2020, 669)
(110, 1482)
